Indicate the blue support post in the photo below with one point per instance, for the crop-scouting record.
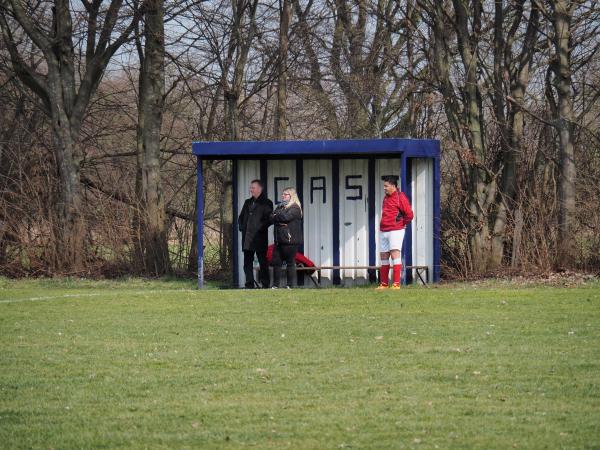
(200, 227)
(234, 222)
(300, 190)
(407, 246)
(372, 244)
(335, 177)
(437, 237)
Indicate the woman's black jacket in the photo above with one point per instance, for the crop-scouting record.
(288, 225)
(254, 223)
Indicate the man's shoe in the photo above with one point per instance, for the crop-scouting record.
(396, 286)
(381, 287)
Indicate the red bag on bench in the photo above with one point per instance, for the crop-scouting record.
(301, 260)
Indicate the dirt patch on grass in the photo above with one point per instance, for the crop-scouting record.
(564, 278)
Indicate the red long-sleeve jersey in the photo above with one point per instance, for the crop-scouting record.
(396, 212)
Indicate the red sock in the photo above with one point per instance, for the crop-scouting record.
(384, 274)
(397, 271)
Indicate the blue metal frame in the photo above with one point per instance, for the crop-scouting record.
(334, 149)
(422, 148)
(371, 211)
(300, 180)
(335, 222)
(437, 219)
(300, 188)
(407, 245)
(200, 218)
(234, 222)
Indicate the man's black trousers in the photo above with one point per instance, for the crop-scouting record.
(263, 271)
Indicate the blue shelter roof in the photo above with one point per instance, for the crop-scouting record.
(243, 149)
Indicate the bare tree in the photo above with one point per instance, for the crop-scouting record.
(513, 30)
(153, 245)
(233, 66)
(285, 14)
(560, 95)
(483, 77)
(362, 76)
(464, 109)
(65, 84)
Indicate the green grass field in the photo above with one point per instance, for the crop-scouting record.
(161, 365)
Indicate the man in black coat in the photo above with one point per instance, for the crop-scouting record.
(254, 225)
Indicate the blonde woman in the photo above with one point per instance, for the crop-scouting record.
(287, 220)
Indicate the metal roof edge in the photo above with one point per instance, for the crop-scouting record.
(229, 149)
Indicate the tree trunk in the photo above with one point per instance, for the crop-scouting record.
(137, 225)
(71, 227)
(232, 115)
(517, 237)
(349, 40)
(280, 128)
(152, 87)
(561, 21)
(238, 49)
(192, 264)
(228, 232)
(482, 189)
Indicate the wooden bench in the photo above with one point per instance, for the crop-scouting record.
(419, 270)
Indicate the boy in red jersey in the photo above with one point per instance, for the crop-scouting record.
(396, 213)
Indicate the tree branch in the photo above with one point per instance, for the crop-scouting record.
(122, 198)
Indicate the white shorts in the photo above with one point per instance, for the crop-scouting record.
(390, 240)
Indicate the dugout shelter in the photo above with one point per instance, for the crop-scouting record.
(339, 183)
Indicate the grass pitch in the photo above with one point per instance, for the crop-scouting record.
(161, 365)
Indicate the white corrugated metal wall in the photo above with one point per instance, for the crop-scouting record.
(280, 174)
(354, 218)
(353, 208)
(318, 213)
(422, 226)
